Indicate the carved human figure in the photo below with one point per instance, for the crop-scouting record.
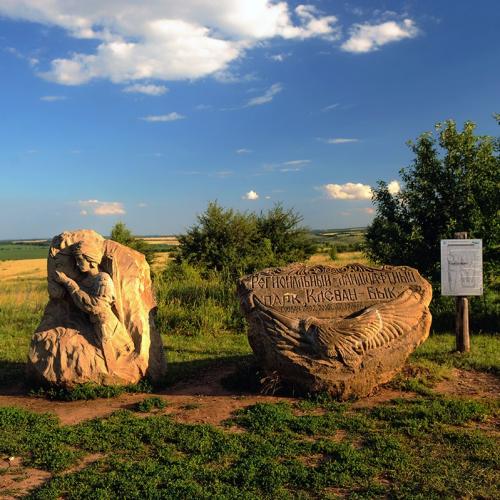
(94, 294)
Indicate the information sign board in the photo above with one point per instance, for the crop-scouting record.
(461, 267)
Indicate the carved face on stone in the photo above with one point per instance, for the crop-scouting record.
(83, 264)
(87, 257)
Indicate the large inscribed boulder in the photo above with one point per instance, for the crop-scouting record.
(99, 323)
(337, 330)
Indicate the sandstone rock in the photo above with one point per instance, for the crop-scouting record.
(337, 330)
(99, 323)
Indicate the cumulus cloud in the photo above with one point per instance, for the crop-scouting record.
(369, 37)
(170, 117)
(166, 40)
(148, 89)
(394, 187)
(251, 195)
(101, 207)
(52, 98)
(348, 191)
(243, 151)
(267, 96)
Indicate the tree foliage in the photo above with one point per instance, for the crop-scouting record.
(452, 185)
(236, 243)
(121, 234)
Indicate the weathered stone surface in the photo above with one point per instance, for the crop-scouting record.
(99, 323)
(339, 330)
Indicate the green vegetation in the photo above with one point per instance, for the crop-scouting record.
(345, 240)
(27, 250)
(192, 302)
(451, 186)
(121, 234)
(446, 190)
(89, 391)
(149, 404)
(427, 447)
(236, 243)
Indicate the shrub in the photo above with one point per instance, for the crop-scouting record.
(236, 243)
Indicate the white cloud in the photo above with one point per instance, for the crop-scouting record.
(297, 162)
(243, 151)
(251, 195)
(102, 207)
(53, 98)
(165, 40)
(330, 107)
(267, 96)
(203, 107)
(394, 187)
(294, 165)
(148, 89)
(224, 173)
(369, 37)
(170, 117)
(348, 191)
(279, 57)
(340, 140)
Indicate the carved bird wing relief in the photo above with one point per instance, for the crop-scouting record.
(350, 338)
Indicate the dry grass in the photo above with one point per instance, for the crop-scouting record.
(161, 260)
(22, 269)
(342, 259)
(162, 240)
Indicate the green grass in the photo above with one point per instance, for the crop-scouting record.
(20, 251)
(188, 356)
(439, 351)
(424, 448)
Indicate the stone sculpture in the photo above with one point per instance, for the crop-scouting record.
(99, 323)
(337, 330)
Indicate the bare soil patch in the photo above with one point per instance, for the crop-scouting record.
(470, 384)
(206, 400)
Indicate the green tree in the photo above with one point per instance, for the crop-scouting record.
(236, 243)
(452, 185)
(121, 234)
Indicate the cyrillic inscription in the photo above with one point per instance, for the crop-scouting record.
(321, 288)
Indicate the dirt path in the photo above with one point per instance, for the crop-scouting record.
(205, 400)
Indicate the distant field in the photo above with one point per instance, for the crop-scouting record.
(22, 250)
(348, 239)
(161, 240)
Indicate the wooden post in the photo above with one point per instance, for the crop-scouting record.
(462, 315)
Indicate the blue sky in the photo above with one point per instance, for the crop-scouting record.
(145, 111)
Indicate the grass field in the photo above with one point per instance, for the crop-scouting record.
(426, 443)
(19, 251)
